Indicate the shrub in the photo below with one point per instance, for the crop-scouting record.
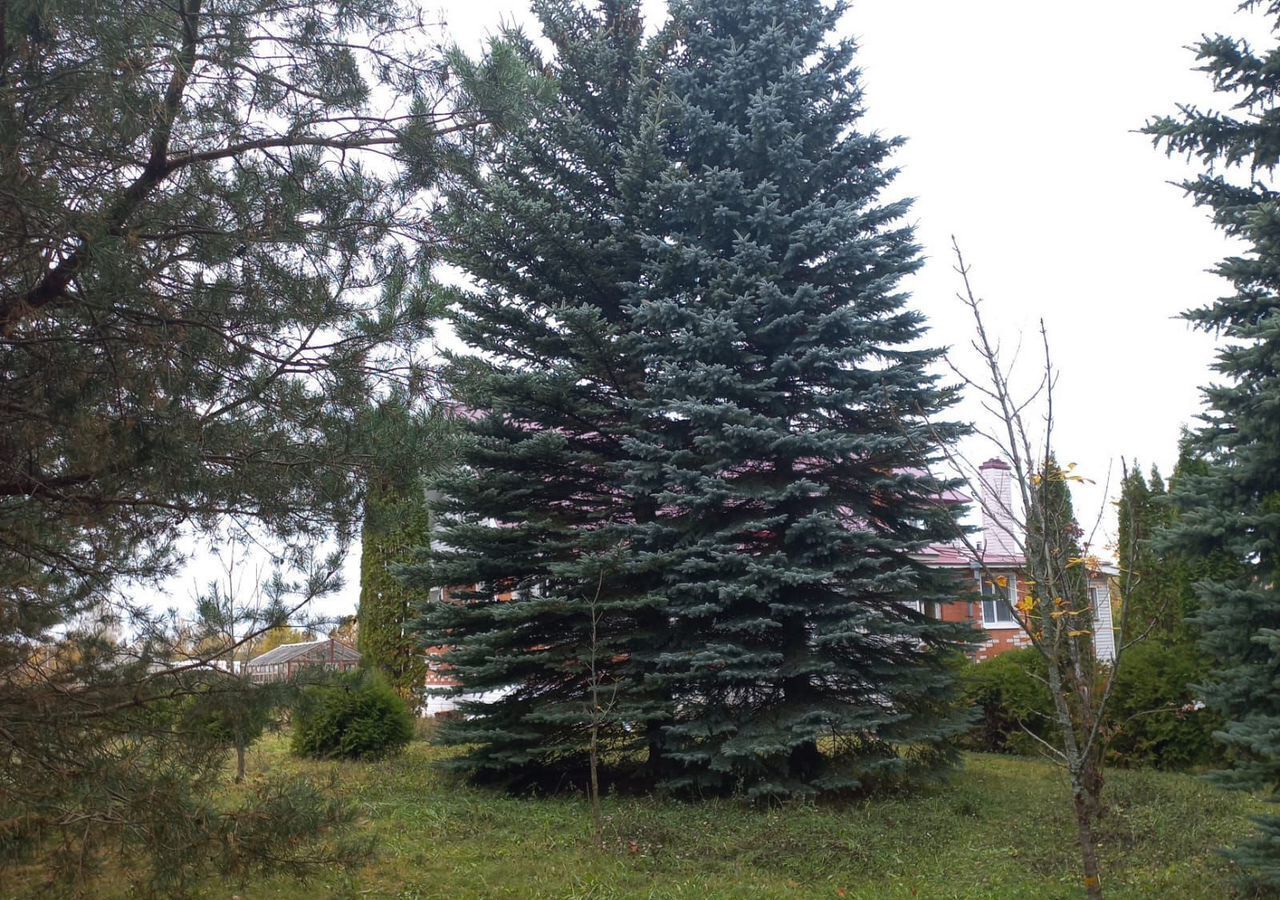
(1153, 715)
(1152, 718)
(355, 716)
(1012, 698)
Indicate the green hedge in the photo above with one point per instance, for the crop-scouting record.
(1012, 699)
(1151, 719)
(355, 716)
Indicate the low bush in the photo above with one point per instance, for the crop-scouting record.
(1153, 718)
(1012, 699)
(355, 716)
(1154, 714)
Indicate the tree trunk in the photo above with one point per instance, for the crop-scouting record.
(805, 760)
(239, 763)
(1086, 809)
(1093, 787)
(656, 764)
(597, 819)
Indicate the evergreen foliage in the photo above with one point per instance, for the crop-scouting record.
(395, 526)
(1053, 544)
(1154, 600)
(229, 713)
(1155, 710)
(786, 401)
(703, 424)
(537, 514)
(1162, 599)
(357, 715)
(1186, 567)
(1231, 507)
(1152, 718)
(1013, 701)
(396, 531)
(213, 252)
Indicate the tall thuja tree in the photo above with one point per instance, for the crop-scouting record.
(396, 529)
(1162, 599)
(1144, 511)
(1232, 507)
(537, 517)
(1060, 620)
(787, 405)
(1154, 708)
(396, 532)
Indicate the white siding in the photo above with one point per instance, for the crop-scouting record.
(1104, 635)
(435, 704)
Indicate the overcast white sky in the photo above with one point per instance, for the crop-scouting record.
(1021, 121)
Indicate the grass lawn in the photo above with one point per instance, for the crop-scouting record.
(999, 829)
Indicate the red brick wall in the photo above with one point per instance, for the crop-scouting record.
(998, 640)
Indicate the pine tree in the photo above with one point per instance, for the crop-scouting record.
(1231, 508)
(213, 251)
(537, 518)
(786, 415)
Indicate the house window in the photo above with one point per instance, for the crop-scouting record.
(928, 608)
(997, 603)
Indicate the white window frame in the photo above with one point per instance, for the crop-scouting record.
(998, 624)
(930, 609)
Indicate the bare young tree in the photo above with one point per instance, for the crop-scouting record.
(1055, 611)
(599, 707)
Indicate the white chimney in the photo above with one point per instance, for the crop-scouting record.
(1002, 536)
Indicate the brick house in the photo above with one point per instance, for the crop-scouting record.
(995, 580)
(997, 575)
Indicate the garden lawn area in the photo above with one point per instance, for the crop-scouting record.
(999, 828)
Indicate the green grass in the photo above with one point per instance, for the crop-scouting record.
(1001, 828)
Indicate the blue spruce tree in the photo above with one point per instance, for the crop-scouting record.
(537, 523)
(1231, 499)
(789, 417)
